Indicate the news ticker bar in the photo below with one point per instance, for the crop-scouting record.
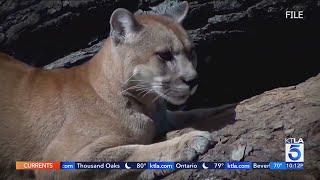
(236, 165)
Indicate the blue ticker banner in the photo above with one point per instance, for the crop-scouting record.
(232, 165)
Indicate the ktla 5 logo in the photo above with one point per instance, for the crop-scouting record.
(294, 150)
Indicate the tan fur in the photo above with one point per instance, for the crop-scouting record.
(80, 114)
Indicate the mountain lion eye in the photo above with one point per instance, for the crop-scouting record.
(167, 56)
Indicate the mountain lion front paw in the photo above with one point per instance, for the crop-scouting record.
(193, 144)
(184, 148)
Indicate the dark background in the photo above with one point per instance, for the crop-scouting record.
(244, 47)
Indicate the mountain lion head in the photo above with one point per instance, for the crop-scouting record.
(157, 54)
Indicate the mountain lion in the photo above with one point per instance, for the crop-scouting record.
(108, 109)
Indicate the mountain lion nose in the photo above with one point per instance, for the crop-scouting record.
(192, 82)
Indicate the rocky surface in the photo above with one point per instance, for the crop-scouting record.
(258, 131)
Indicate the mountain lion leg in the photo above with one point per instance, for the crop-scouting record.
(187, 119)
(183, 148)
(179, 119)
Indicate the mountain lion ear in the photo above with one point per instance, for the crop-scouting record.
(123, 24)
(178, 12)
